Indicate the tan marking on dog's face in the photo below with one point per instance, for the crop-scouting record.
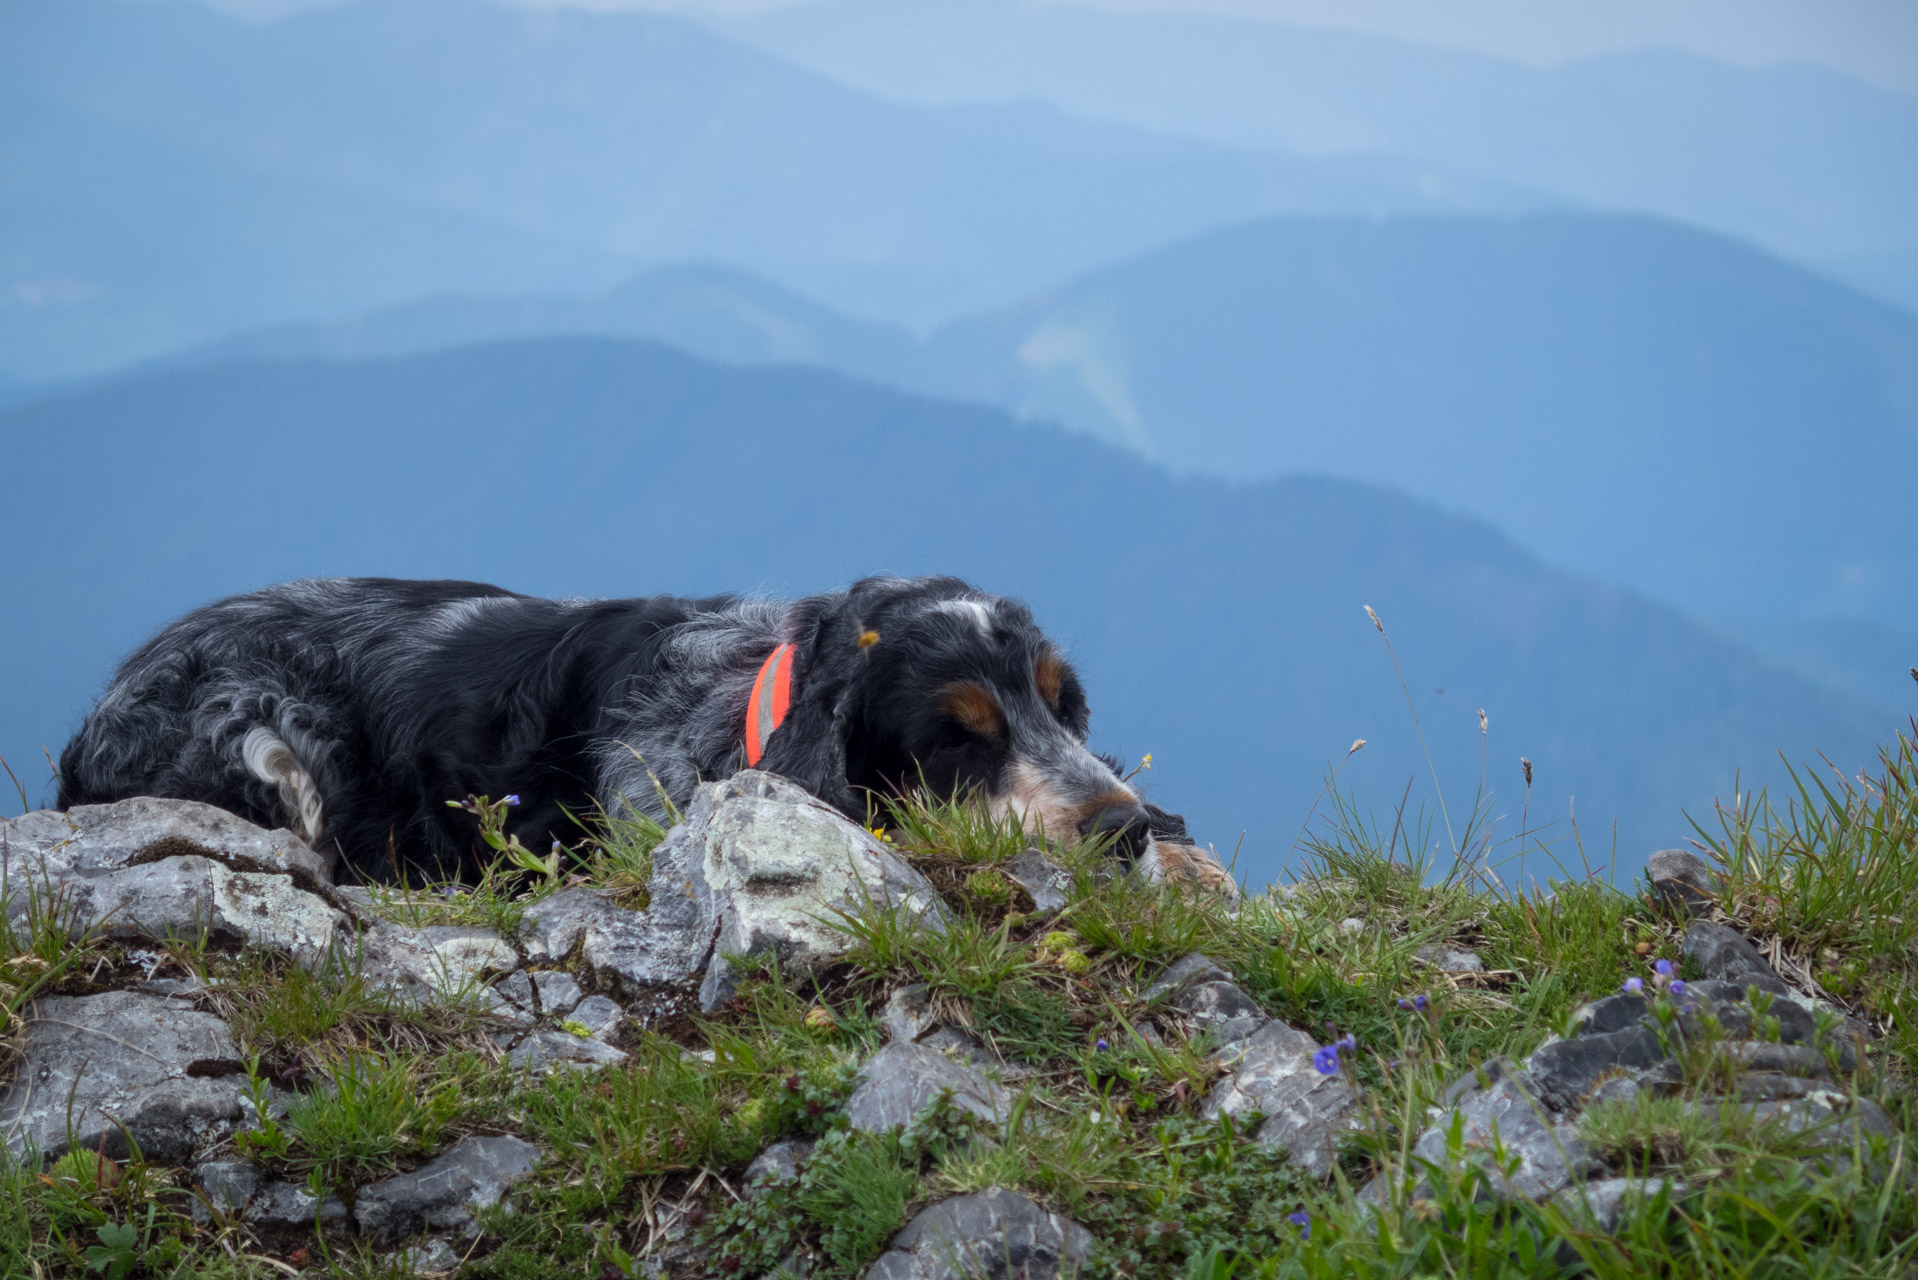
(1043, 807)
(975, 709)
(1049, 674)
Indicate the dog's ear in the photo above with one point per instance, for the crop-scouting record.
(812, 746)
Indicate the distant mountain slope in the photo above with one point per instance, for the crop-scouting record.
(115, 244)
(633, 136)
(708, 310)
(1798, 158)
(1628, 398)
(1219, 626)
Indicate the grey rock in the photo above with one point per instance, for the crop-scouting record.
(1603, 1202)
(1836, 1125)
(993, 1234)
(474, 1173)
(289, 1206)
(225, 1186)
(767, 864)
(1612, 1013)
(432, 1256)
(1662, 1079)
(962, 1045)
(631, 952)
(908, 1013)
(1496, 1107)
(1619, 1089)
(434, 964)
(599, 1015)
(1764, 1086)
(776, 1165)
(1724, 953)
(554, 992)
(1450, 959)
(1779, 1059)
(1048, 884)
(549, 1050)
(1305, 1112)
(1683, 879)
(1563, 1072)
(1197, 967)
(92, 838)
(903, 1078)
(1222, 1008)
(166, 1072)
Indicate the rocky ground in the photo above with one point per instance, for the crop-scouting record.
(769, 1041)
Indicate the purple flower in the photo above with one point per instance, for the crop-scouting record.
(1406, 1005)
(1303, 1221)
(1664, 968)
(1350, 1044)
(1678, 986)
(1326, 1061)
(1392, 1064)
(1420, 1003)
(1101, 1046)
(1635, 985)
(510, 800)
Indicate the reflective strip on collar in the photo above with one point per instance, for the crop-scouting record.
(772, 694)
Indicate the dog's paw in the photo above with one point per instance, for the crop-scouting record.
(1186, 864)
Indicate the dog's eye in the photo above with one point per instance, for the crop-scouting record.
(1049, 673)
(974, 709)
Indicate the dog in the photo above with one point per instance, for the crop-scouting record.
(351, 710)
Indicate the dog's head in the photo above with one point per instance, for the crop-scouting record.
(902, 683)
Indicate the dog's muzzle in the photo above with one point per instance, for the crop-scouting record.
(1125, 824)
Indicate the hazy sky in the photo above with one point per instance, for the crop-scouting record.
(1875, 39)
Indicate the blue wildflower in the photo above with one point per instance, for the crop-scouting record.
(1664, 968)
(1326, 1061)
(1678, 986)
(510, 800)
(1350, 1044)
(1303, 1221)
(1101, 1046)
(1406, 1005)
(1420, 1003)
(1635, 985)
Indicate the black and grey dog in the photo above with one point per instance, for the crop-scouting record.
(352, 710)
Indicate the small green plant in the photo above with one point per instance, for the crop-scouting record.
(382, 1108)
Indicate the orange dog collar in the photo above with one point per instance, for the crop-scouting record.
(772, 695)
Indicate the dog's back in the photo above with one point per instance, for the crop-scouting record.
(385, 696)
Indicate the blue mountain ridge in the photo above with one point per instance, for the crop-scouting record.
(1219, 626)
(250, 173)
(1799, 158)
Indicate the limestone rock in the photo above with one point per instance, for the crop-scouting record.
(1724, 953)
(165, 1071)
(599, 1015)
(1197, 967)
(1046, 882)
(1603, 1202)
(908, 1014)
(763, 865)
(632, 952)
(1564, 1072)
(1683, 879)
(474, 1173)
(1220, 1007)
(548, 1050)
(1496, 1106)
(289, 1207)
(1304, 1111)
(436, 962)
(225, 1186)
(776, 1165)
(543, 992)
(93, 838)
(1450, 959)
(903, 1078)
(993, 1234)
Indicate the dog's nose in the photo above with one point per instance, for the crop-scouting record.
(1125, 825)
